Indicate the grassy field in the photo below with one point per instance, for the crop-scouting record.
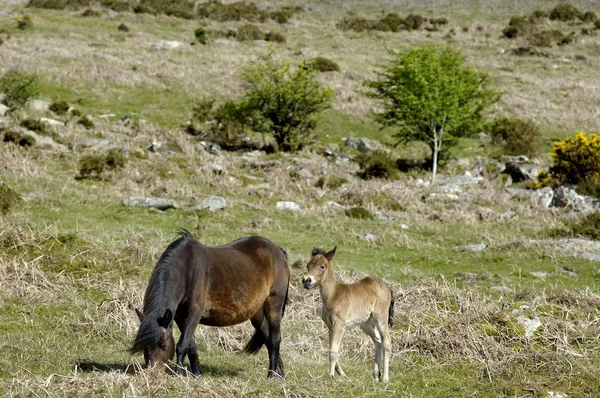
(74, 262)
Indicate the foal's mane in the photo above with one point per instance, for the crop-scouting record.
(154, 304)
(317, 250)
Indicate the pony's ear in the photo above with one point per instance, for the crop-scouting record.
(316, 251)
(329, 255)
(166, 319)
(140, 314)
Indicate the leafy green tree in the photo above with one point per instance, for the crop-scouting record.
(431, 96)
(282, 100)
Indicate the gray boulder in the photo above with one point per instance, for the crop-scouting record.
(150, 203)
(3, 109)
(288, 206)
(361, 144)
(568, 197)
(96, 144)
(212, 203)
(39, 105)
(165, 45)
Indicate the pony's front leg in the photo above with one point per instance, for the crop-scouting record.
(336, 331)
(186, 344)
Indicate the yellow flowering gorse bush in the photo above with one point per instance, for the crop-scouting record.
(576, 159)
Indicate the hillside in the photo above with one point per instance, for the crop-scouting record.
(466, 258)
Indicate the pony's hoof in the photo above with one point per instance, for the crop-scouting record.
(275, 375)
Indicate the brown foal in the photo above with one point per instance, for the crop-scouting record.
(367, 303)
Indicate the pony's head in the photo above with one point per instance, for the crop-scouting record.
(317, 267)
(155, 339)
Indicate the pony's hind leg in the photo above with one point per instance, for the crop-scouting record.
(273, 314)
(384, 331)
(370, 329)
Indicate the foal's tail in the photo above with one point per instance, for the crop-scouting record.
(391, 309)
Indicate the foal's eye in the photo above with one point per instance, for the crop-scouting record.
(322, 267)
(163, 347)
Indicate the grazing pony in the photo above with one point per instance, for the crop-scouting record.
(192, 283)
(368, 303)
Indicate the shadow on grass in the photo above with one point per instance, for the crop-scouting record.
(129, 368)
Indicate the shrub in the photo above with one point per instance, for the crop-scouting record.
(282, 101)
(9, 199)
(393, 22)
(568, 39)
(219, 123)
(17, 137)
(123, 28)
(546, 38)
(24, 22)
(576, 159)
(35, 125)
(86, 122)
(249, 32)
(322, 64)
(518, 27)
(97, 166)
(18, 88)
(59, 107)
(357, 24)
(538, 16)
(200, 35)
(431, 96)
(376, 164)
(90, 13)
(439, 21)
(414, 21)
(517, 136)
(333, 182)
(175, 8)
(275, 37)
(230, 12)
(565, 12)
(284, 14)
(358, 212)
(589, 16)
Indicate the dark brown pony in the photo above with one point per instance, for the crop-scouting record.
(192, 283)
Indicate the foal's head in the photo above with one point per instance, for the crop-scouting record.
(158, 352)
(317, 267)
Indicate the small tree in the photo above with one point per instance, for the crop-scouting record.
(18, 88)
(432, 97)
(282, 101)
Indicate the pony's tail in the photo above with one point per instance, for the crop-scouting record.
(391, 309)
(256, 342)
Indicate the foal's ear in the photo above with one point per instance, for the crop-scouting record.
(329, 255)
(166, 319)
(140, 314)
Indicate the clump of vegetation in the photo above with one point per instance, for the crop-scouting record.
(568, 39)
(576, 159)
(18, 88)
(275, 37)
(517, 136)
(376, 164)
(100, 166)
(358, 212)
(586, 226)
(538, 16)
(242, 10)
(518, 27)
(546, 38)
(175, 8)
(24, 22)
(220, 123)
(565, 12)
(200, 34)
(392, 22)
(35, 125)
(431, 96)
(60, 107)
(86, 122)
(282, 101)
(322, 64)
(123, 28)
(88, 12)
(589, 16)
(19, 138)
(249, 32)
(332, 182)
(9, 199)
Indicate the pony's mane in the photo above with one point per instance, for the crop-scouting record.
(317, 250)
(154, 304)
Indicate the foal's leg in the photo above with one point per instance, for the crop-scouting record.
(336, 331)
(186, 344)
(384, 331)
(370, 329)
